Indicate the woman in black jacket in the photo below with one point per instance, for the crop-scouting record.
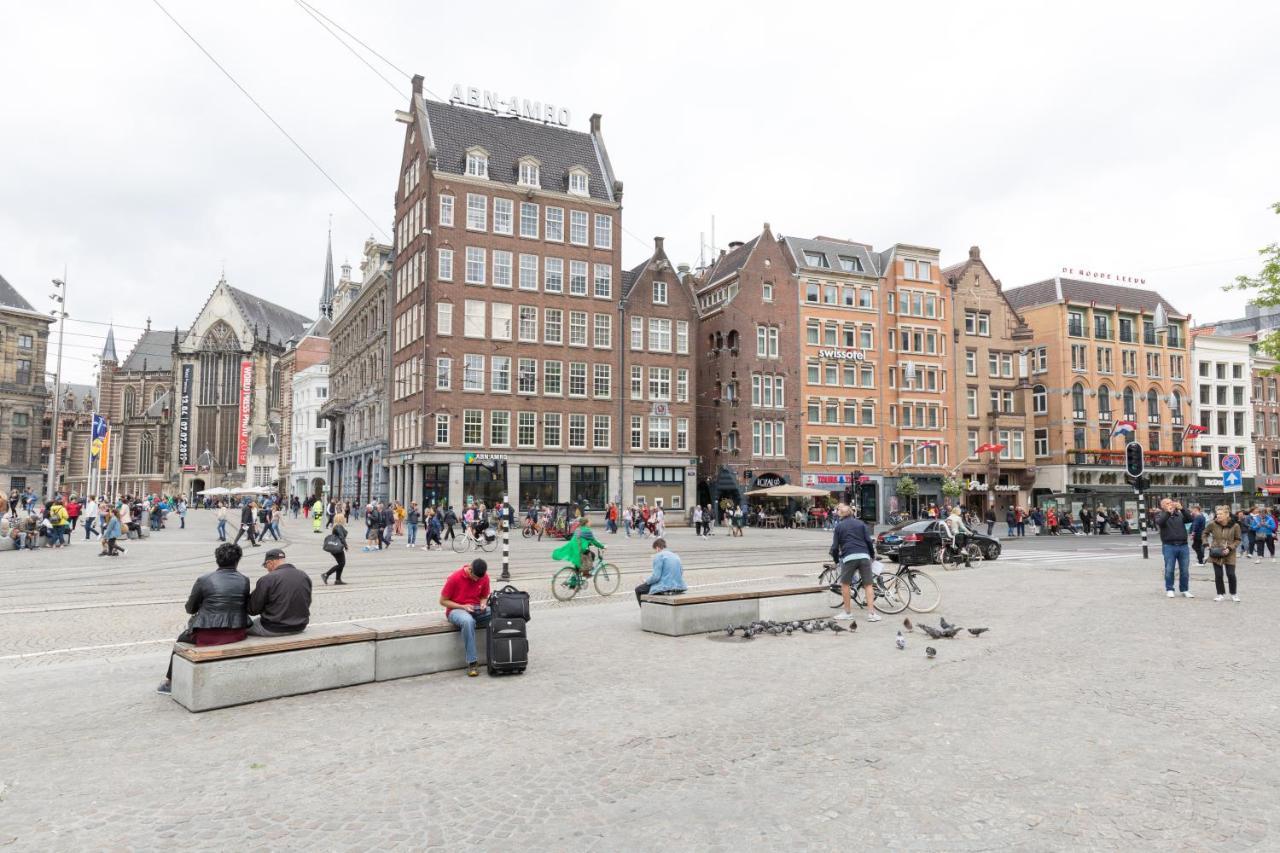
(219, 607)
(339, 557)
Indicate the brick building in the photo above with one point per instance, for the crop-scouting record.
(24, 338)
(748, 333)
(304, 385)
(992, 390)
(1265, 403)
(507, 340)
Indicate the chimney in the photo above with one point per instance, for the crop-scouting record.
(595, 122)
(734, 244)
(975, 254)
(417, 84)
(657, 245)
(683, 269)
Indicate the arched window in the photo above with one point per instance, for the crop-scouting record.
(1039, 400)
(719, 341)
(157, 393)
(733, 339)
(1153, 406)
(1104, 402)
(1077, 400)
(146, 453)
(1175, 408)
(1130, 407)
(130, 402)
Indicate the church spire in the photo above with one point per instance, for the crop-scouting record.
(326, 296)
(109, 348)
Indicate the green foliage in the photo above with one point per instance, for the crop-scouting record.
(907, 487)
(952, 488)
(1267, 286)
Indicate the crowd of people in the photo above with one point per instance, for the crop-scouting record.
(28, 523)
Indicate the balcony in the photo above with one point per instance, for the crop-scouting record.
(1075, 329)
(1149, 338)
(1157, 459)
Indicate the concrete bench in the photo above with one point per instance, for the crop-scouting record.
(405, 646)
(319, 658)
(678, 615)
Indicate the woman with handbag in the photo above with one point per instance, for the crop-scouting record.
(335, 544)
(1223, 534)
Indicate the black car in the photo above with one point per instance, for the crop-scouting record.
(917, 543)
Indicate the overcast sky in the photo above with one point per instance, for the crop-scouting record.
(1136, 138)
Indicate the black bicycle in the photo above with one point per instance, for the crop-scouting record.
(892, 594)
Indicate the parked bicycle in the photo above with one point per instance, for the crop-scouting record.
(892, 595)
(468, 538)
(568, 581)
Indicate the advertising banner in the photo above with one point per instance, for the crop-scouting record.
(246, 406)
(184, 417)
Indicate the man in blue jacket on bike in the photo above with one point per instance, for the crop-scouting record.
(852, 550)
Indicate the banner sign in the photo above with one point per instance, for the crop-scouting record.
(104, 450)
(184, 417)
(97, 437)
(246, 401)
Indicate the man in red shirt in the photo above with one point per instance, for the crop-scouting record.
(465, 598)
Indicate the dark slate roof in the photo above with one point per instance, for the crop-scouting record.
(262, 446)
(109, 348)
(1072, 290)
(155, 348)
(79, 393)
(454, 129)
(832, 249)
(731, 261)
(282, 323)
(11, 298)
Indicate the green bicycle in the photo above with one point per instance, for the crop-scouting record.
(606, 577)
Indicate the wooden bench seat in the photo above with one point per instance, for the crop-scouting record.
(320, 658)
(678, 615)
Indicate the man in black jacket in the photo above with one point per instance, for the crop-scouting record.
(852, 550)
(248, 524)
(218, 605)
(1172, 520)
(281, 598)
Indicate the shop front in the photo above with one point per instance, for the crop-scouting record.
(435, 484)
(862, 491)
(1001, 496)
(662, 486)
(589, 486)
(484, 478)
(538, 485)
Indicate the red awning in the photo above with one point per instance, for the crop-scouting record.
(1271, 490)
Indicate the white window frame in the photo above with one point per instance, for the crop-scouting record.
(444, 264)
(477, 212)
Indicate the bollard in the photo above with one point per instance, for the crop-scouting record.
(506, 549)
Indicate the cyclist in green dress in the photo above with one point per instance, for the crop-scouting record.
(577, 551)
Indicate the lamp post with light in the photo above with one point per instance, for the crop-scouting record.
(51, 483)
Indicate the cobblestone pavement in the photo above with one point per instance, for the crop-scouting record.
(1096, 714)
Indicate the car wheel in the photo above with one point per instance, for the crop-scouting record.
(993, 551)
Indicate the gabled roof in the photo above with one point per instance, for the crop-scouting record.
(730, 262)
(79, 393)
(455, 129)
(832, 251)
(158, 408)
(264, 317)
(109, 348)
(155, 349)
(1056, 290)
(11, 298)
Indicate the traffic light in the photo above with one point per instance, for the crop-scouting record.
(1133, 459)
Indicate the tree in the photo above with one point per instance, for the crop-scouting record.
(952, 488)
(907, 487)
(1267, 285)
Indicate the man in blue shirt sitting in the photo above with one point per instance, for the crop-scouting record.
(668, 573)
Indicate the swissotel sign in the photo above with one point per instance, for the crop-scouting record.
(845, 354)
(515, 107)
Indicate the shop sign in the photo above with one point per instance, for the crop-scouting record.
(767, 481)
(513, 107)
(816, 480)
(246, 409)
(843, 354)
(1076, 272)
(975, 486)
(469, 458)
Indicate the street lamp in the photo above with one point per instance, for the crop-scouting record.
(59, 284)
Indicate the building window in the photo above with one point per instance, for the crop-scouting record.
(529, 174)
(637, 430)
(473, 373)
(578, 182)
(1039, 400)
(503, 216)
(444, 318)
(553, 325)
(477, 212)
(526, 434)
(446, 210)
(444, 373)
(551, 378)
(577, 328)
(767, 292)
(551, 430)
(682, 337)
(501, 268)
(25, 342)
(602, 381)
(577, 432)
(600, 430)
(577, 278)
(553, 275)
(529, 219)
(659, 433)
(477, 164)
(659, 293)
(473, 319)
(603, 331)
(500, 429)
(659, 334)
(555, 224)
(500, 379)
(475, 272)
(604, 231)
(577, 379)
(578, 227)
(442, 430)
(527, 376)
(472, 427)
(603, 281)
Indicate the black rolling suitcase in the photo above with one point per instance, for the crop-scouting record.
(508, 639)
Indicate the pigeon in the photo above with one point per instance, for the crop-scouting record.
(906, 623)
(835, 626)
(749, 633)
(804, 626)
(978, 632)
(729, 630)
(951, 632)
(900, 641)
(790, 630)
(942, 620)
(934, 633)
(853, 626)
(930, 652)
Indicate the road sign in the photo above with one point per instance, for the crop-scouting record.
(1231, 462)
(1232, 481)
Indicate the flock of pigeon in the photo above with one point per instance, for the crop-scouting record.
(944, 631)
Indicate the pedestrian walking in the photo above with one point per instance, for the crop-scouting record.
(450, 519)
(412, 518)
(339, 556)
(1198, 523)
(248, 524)
(990, 519)
(1171, 521)
(1223, 534)
(222, 522)
(90, 514)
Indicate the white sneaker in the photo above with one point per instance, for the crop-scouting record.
(1257, 559)
(873, 617)
(1217, 598)
(1188, 594)
(844, 617)
(1235, 598)
(1168, 593)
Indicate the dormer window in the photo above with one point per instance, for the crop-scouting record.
(478, 163)
(579, 182)
(849, 264)
(529, 173)
(816, 259)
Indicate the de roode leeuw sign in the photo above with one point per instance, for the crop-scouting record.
(513, 106)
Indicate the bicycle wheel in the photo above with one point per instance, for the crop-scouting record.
(461, 543)
(830, 578)
(975, 553)
(896, 595)
(487, 543)
(926, 595)
(565, 584)
(607, 578)
(527, 532)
